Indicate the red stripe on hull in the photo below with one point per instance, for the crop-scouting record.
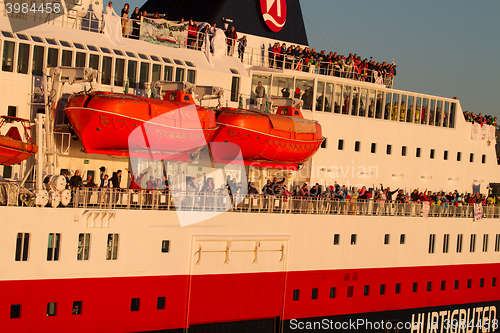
(235, 297)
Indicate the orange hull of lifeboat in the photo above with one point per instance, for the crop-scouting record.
(128, 125)
(284, 139)
(12, 148)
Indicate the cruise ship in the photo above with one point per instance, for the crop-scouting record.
(142, 260)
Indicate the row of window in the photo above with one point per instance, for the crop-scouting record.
(472, 243)
(15, 309)
(418, 151)
(83, 251)
(358, 101)
(336, 239)
(397, 288)
(113, 70)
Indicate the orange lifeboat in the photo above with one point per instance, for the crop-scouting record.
(281, 140)
(127, 125)
(13, 149)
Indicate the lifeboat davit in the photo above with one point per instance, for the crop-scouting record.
(128, 125)
(281, 140)
(13, 149)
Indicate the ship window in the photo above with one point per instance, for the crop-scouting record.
(429, 286)
(77, 308)
(119, 71)
(357, 145)
(314, 294)
(51, 41)
(415, 287)
(386, 239)
(80, 59)
(431, 242)
(350, 291)
(323, 144)
(353, 239)
(374, 148)
(167, 73)
(65, 43)
(459, 243)
(452, 115)
(333, 292)
(459, 156)
(7, 171)
(83, 247)
(355, 101)
(191, 76)
(402, 239)
(398, 288)
(143, 56)
(178, 62)
(52, 57)
(469, 283)
(483, 159)
(485, 243)
(117, 52)
(134, 304)
(160, 303)
(418, 152)
(382, 289)
(481, 283)
(456, 284)
(36, 39)
(22, 246)
(132, 73)
(234, 71)
(336, 239)
(156, 75)
(167, 60)
(165, 246)
(296, 294)
(472, 243)
(112, 247)
(446, 241)
(403, 151)
(15, 310)
(155, 58)
(179, 74)
(105, 50)
(143, 75)
(53, 247)
(445, 155)
(443, 285)
(8, 56)
(494, 282)
(106, 70)
(320, 93)
(366, 290)
(389, 150)
(130, 54)
(471, 157)
(341, 144)
(235, 88)
(67, 56)
(7, 34)
(51, 309)
(497, 243)
(12, 111)
(23, 58)
(94, 61)
(79, 46)
(92, 48)
(190, 64)
(432, 154)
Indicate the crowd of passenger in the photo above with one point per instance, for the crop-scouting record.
(480, 119)
(298, 58)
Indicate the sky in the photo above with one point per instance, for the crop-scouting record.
(448, 48)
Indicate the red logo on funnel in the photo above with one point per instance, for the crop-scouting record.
(274, 13)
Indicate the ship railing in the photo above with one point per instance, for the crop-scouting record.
(175, 200)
